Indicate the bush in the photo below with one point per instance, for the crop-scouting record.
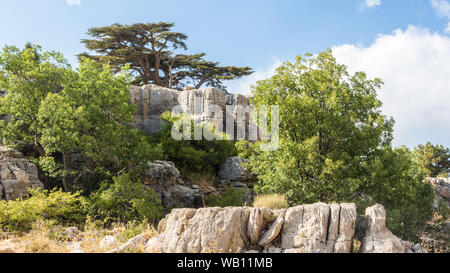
(271, 201)
(125, 200)
(229, 198)
(193, 155)
(61, 207)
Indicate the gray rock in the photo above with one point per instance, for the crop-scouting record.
(165, 179)
(379, 239)
(17, 174)
(132, 245)
(108, 242)
(232, 170)
(274, 230)
(153, 100)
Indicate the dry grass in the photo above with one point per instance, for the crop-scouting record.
(46, 237)
(204, 180)
(271, 201)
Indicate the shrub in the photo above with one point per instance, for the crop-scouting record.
(61, 207)
(125, 200)
(194, 155)
(230, 198)
(271, 201)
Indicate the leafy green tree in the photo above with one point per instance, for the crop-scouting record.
(149, 51)
(61, 112)
(28, 75)
(433, 160)
(330, 126)
(124, 200)
(334, 143)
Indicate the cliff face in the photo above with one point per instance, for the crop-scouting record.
(153, 100)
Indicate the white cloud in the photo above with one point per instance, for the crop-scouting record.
(372, 3)
(73, 2)
(447, 30)
(413, 63)
(243, 85)
(442, 8)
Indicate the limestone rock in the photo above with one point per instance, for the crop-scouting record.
(306, 228)
(232, 170)
(8, 246)
(72, 233)
(273, 231)
(258, 219)
(206, 230)
(17, 174)
(108, 242)
(165, 179)
(132, 245)
(155, 245)
(347, 220)
(207, 105)
(378, 238)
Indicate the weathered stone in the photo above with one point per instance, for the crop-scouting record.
(207, 105)
(378, 238)
(155, 245)
(72, 233)
(17, 174)
(206, 230)
(258, 218)
(108, 241)
(165, 179)
(347, 220)
(132, 245)
(8, 246)
(232, 170)
(306, 228)
(273, 231)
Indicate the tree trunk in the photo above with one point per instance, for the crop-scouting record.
(64, 179)
(200, 83)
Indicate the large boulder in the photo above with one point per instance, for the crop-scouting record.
(165, 179)
(379, 239)
(17, 174)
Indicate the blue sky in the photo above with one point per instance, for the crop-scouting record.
(404, 41)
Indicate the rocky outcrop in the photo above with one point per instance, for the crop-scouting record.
(233, 170)
(316, 228)
(379, 239)
(165, 179)
(153, 100)
(441, 188)
(17, 174)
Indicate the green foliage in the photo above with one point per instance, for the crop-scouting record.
(335, 144)
(193, 155)
(149, 49)
(125, 200)
(55, 205)
(29, 75)
(229, 198)
(433, 160)
(60, 112)
(330, 124)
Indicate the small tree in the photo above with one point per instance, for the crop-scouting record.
(433, 160)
